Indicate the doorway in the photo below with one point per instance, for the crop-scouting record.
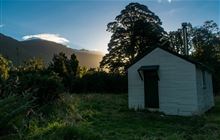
(151, 89)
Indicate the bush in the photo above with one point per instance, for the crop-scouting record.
(100, 82)
(10, 87)
(45, 87)
(5, 66)
(32, 65)
(13, 110)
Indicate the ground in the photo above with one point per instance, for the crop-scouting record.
(106, 116)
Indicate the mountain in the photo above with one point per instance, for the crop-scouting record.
(19, 51)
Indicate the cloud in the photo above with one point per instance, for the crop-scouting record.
(2, 25)
(173, 12)
(50, 37)
(160, 1)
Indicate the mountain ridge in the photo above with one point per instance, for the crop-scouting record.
(19, 51)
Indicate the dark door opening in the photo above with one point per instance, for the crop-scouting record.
(151, 89)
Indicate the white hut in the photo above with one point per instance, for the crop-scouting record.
(170, 83)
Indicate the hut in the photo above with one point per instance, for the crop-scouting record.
(168, 82)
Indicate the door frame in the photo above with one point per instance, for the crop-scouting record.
(151, 92)
(149, 69)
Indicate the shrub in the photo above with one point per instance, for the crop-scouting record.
(100, 82)
(10, 86)
(13, 110)
(32, 65)
(45, 87)
(5, 66)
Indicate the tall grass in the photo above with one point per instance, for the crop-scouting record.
(13, 114)
(106, 116)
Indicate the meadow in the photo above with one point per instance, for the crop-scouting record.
(106, 117)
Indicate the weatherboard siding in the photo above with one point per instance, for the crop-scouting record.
(177, 84)
(205, 95)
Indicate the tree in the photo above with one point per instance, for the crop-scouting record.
(206, 43)
(65, 68)
(59, 64)
(33, 65)
(5, 66)
(73, 62)
(177, 42)
(133, 31)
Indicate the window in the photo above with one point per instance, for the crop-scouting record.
(203, 79)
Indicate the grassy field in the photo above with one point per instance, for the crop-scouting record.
(97, 116)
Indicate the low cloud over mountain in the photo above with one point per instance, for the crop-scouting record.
(49, 37)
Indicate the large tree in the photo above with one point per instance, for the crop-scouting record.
(133, 31)
(206, 43)
(176, 40)
(203, 42)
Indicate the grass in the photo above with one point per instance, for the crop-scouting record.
(109, 117)
(106, 117)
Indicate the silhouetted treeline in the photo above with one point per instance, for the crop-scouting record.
(62, 75)
(100, 82)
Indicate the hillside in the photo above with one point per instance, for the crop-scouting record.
(19, 51)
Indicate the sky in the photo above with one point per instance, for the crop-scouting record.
(82, 23)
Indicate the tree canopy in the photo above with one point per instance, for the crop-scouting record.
(34, 64)
(206, 42)
(133, 31)
(66, 68)
(63, 66)
(177, 42)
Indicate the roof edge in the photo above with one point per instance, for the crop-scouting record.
(198, 64)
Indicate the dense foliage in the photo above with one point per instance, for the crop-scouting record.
(133, 32)
(13, 113)
(32, 65)
(44, 85)
(65, 68)
(5, 66)
(100, 82)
